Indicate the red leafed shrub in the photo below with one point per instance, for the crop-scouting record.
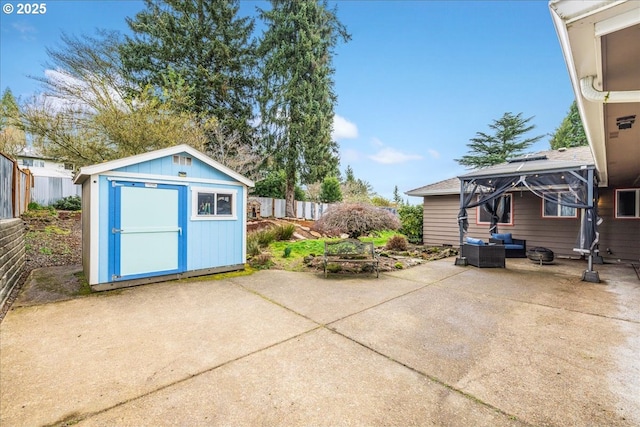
(397, 243)
(356, 219)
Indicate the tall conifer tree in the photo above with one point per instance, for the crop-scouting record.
(296, 95)
(205, 44)
(507, 140)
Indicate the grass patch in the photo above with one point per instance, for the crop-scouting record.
(297, 251)
(221, 276)
(52, 229)
(85, 289)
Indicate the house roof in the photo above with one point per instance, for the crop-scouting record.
(440, 188)
(543, 161)
(571, 158)
(86, 171)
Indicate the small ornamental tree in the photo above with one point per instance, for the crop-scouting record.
(330, 190)
(356, 219)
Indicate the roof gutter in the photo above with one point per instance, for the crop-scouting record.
(609, 97)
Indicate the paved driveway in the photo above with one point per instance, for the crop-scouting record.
(432, 345)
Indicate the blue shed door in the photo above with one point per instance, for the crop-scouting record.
(148, 230)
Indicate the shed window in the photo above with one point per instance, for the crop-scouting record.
(505, 211)
(628, 203)
(558, 210)
(211, 203)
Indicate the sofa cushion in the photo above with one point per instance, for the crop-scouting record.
(505, 237)
(472, 241)
(513, 246)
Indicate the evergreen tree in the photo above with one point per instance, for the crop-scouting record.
(12, 137)
(397, 198)
(204, 44)
(330, 190)
(349, 175)
(296, 93)
(570, 133)
(506, 141)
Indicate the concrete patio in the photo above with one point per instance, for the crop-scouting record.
(431, 345)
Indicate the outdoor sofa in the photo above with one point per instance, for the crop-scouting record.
(514, 248)
(483, 255)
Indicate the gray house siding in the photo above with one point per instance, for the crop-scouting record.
(621, 236)
(558, 234)
(440, 224)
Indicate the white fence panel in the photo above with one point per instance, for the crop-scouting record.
(47, 189)
(279, 208)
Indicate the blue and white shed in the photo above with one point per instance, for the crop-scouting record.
(161, 215)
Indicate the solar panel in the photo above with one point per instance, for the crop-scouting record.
(527, 159)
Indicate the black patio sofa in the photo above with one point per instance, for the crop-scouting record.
(514, 248)
(483, 255)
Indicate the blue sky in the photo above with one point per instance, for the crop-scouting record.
(414, 85)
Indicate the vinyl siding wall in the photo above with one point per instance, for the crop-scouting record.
(558, 234)
(621, 236)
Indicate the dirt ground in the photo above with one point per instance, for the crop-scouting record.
(52, 239)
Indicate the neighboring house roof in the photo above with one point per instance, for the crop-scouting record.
(571, 158)
(46, 172)
(87, 171)
(440, 188)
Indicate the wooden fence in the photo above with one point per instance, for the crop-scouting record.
(15, 188)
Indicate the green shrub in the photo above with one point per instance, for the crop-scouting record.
(397, 243)
(265, 236)
(284, 232)
(262, 261)
(411, 218)
(70, 203)
(330, 191)
(253, 246)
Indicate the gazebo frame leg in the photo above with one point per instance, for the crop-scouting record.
(589, 275)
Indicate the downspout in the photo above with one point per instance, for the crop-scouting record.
(614, 97)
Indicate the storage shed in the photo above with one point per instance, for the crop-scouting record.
(161, 215)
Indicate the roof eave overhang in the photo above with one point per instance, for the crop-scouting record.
(433, 193)
(592, 20)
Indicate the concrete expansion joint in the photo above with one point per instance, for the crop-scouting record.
(431, 378)
(76, 418)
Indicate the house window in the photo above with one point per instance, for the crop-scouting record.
(213, 203)
(628, 203)
(505, 214)
(182, 160)
(558, 210)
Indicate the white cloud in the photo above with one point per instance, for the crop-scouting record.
(433, 153)
(343, 129)
(26, 31)
(349, 155)
(389, 156)
(376, 142)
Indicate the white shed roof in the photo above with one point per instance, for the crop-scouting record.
(87, 171)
